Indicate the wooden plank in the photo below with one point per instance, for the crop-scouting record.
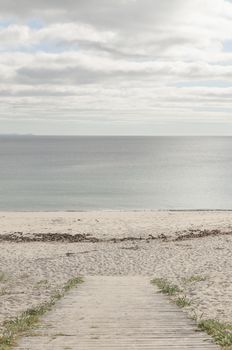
(110, 313)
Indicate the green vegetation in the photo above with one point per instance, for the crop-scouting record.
(3, 291)
(41, 284)
(220, 332)
(3, 277)
(183, 302)
(166, 287)
(72, 283)
(171, 290)
(30, 318)
(194, 278)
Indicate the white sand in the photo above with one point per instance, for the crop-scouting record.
(34, 270)
(114, 224)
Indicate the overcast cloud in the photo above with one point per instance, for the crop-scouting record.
(116, 66)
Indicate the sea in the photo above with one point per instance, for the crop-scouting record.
(85, 173)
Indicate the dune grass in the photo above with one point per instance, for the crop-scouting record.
(220, 332)
(171, 290)
(194, 278)
(3, 277)
(28, 319)
(166, 287)
(183, 301)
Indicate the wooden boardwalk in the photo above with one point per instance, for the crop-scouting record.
(126, 313)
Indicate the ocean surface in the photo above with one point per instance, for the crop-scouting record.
(116, 173)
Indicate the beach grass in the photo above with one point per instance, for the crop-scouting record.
(72, 283)
(3, 277)
(183, 302)
(28, 319)
(219, 331)
(166, 287)
(3, 291)
(194, 278)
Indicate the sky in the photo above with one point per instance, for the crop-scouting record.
(116, 67)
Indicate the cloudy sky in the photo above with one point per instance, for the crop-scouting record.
(116, 66)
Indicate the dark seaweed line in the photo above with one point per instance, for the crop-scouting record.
(18, 237)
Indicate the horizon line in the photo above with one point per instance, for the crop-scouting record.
(116, 135)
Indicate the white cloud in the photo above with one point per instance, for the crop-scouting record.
(116, 55)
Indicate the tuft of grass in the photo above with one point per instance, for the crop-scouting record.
(194, 278)
(72, 283)
(220, 332)
(171, 290)
(166, 287)
(183, 302)
(29, 318)
(3, 277)
(3, 291)
(41, 283)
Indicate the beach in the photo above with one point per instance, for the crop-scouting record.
(40, 251)
(115, 175)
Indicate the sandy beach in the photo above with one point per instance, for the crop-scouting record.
(167, 244)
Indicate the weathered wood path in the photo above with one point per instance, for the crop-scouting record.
(110, 313)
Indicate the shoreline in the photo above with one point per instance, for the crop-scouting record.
(115, 211)
(115, 224)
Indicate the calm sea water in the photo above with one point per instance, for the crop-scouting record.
(92, 173)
